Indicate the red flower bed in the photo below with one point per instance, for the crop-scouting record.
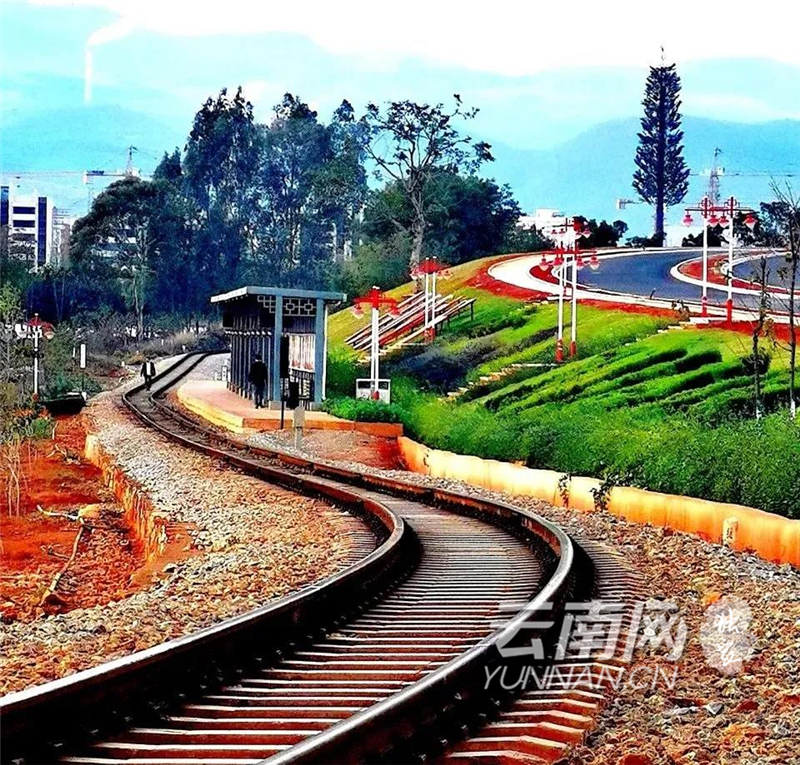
(483, 281)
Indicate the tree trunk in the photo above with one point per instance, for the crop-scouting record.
(659, 227)
(417, 229)
(661, 169)
(759, 327)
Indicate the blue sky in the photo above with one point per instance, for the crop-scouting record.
(541, 76)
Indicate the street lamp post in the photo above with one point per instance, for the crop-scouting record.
(39, 328)
(563, 258)
(708, 213)
(579, 230)
(375, 298)
(431, 269)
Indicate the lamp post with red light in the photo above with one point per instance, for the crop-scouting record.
(579, 230)
(38, 329)
(708, 213)
(430, 268)
(563, 256)
(374, 299)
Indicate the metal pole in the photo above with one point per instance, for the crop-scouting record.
(560, 336)
(36, 358)
(374, 369)
(433, 300)
(704, 299)
(573, 344)
(427, 290)
(729, 302)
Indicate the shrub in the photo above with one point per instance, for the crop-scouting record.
(750, 362)
(442, 367)
(363, 410)
(697, 360)
(64, 382)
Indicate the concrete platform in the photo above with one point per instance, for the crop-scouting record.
(211, 400)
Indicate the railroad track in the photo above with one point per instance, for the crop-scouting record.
(385, 660)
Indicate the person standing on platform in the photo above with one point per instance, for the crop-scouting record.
(258, 379)
(148, 372)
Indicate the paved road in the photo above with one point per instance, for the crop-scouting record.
(643, 274)
(775, 264)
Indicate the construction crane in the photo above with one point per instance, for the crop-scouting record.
(129, 172)
(714, 174)
(88, 176)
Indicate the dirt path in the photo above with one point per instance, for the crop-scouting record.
(37, 542)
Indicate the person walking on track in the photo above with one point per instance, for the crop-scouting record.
(258, 379)
(148, 372)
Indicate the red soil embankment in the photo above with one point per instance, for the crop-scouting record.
(35, 546)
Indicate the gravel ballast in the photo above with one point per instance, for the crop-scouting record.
(251, 542)
(707, 716)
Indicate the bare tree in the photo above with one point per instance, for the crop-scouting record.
(759, 360)
(787, 213)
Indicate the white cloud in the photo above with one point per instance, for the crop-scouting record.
(506, 37)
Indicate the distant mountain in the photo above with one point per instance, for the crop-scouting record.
(78, 139)
(585, 174)
(588, 173)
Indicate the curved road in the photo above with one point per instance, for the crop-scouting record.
(640, 277)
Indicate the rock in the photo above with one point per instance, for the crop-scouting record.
(635, 759)
(680, 711)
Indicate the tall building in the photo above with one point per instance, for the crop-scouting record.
(35, 229)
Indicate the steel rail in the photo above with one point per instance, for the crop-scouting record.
(388, 729)
(104, 696)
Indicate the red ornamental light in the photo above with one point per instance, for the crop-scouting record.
(579, 262)
(713, 220)
(375, 298)
(559, 261)
(750, 221)
(45, 327)
(723, 221)
(594, 263)
(430, 266)
(544, 263)
(688, 219)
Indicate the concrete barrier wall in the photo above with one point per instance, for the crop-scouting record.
(744, 528)
(148, 524)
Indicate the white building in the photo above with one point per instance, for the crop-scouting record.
(35, 230)
(552, 223)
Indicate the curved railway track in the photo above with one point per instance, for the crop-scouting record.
(385, 660)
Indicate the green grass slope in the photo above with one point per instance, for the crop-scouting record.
(667, 411)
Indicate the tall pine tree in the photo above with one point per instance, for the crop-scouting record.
(662, 177)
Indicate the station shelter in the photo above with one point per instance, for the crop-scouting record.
(255, 318)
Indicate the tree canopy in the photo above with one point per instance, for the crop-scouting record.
(410, 142)
(662, 177)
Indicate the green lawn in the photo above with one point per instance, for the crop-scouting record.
(668, 411)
